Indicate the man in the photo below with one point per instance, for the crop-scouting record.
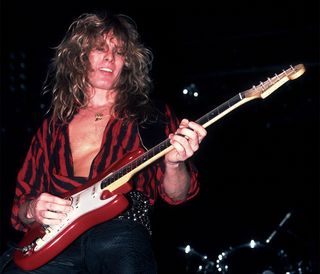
(100, 112)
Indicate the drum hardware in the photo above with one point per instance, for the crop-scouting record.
(253, 257)
(273, 234)
(268, 256)
(265, 257)
(197, 262)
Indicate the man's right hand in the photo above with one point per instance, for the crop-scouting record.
(48, 209)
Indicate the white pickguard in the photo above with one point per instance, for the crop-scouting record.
(83, 202)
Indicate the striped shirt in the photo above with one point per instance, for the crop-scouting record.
(48, 165)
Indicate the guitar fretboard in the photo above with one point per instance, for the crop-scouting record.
(220, 109)
(166, 143)
(135, 163)
(262, 90)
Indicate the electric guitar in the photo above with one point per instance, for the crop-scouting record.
(103, 198)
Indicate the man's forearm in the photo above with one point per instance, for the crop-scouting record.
(176, 181)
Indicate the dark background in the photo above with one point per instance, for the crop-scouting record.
(257, 164)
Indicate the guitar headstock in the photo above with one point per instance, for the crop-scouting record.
(265, 88)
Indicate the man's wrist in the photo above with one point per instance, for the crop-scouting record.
(172, 164)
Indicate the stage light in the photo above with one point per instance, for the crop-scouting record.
(253, 243)
(191, 91)
(187, 249)
(185, 91)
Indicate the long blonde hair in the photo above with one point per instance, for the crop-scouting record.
(67, 76)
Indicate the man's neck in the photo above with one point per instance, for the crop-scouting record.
(101, 98)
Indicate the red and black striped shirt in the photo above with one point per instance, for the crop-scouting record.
(48, 165)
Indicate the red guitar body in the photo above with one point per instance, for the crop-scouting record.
(112, 204)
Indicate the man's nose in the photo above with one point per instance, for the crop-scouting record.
(109, 55)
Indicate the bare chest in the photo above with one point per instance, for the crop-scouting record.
(85, 137)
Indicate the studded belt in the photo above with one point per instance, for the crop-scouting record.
(139, 209)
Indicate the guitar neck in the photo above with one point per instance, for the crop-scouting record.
(117, 179)
(264, 89)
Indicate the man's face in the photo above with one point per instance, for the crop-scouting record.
(106, 63)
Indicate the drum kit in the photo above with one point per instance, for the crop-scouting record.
(252, 257)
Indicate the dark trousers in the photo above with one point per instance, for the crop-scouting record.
(115, 247)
